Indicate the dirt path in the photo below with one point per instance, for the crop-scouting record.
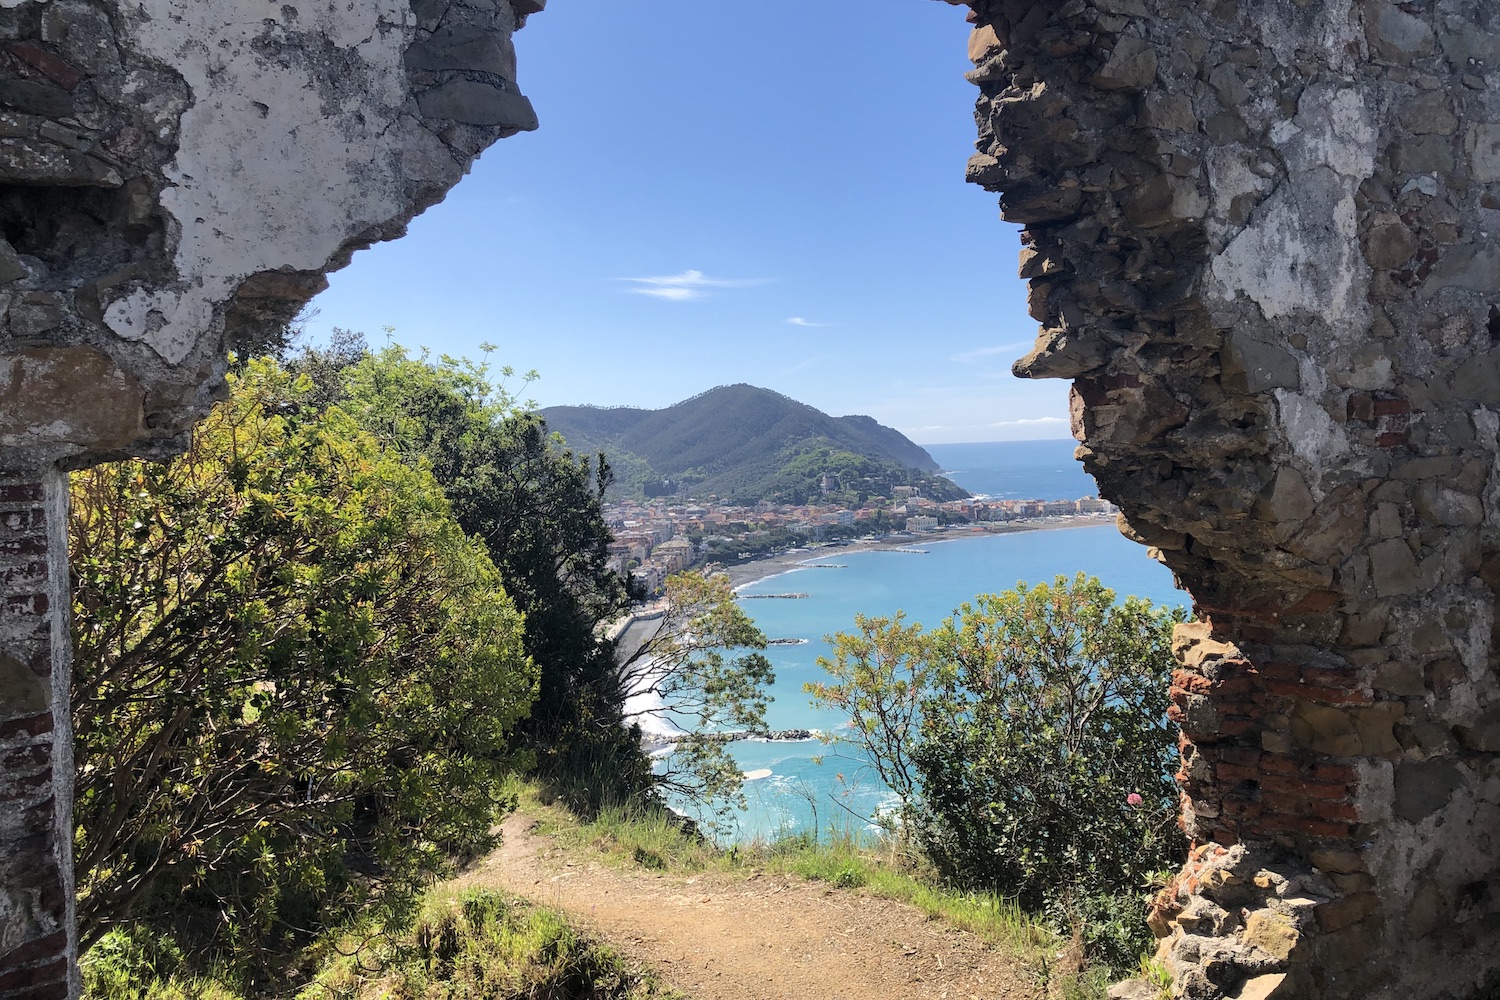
(771, 937)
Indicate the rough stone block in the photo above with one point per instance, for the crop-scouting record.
(1394, 568)
(475, 103)
(1131, 66)
(1395, 35)
(1482, 143)
(67, 395)
(1422, 788)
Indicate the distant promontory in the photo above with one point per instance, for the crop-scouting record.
(749, 444)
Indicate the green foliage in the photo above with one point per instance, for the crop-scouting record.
(879, 676)
(751, 444)
(856, 478)
(537, 509)
(130, 963)
(1046, 754)
(295, 679)
(1028, 741)
(704, 665)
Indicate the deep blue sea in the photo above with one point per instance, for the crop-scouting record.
(1019, 470)
(811, 785)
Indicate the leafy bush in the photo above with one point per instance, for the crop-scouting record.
(295, 679)
(1028, 742)
(1046, 754)
(537, 509)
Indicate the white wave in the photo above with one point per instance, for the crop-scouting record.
(645, 708)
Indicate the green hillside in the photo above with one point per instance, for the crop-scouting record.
(750, 444)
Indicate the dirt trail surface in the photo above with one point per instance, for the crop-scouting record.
(716, 936)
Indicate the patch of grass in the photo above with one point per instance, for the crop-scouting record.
(475, 945)
(482, 945)
(129, 964)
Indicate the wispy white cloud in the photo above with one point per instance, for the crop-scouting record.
(685, 286)
(980, 353)
(799, 321)
(804, 364)
(1030, 421)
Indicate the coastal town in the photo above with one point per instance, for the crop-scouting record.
(657, 537)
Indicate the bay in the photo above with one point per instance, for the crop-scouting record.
(811, 786)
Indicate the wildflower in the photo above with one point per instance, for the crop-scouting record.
(1134, 799)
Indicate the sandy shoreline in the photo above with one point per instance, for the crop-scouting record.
(785, 562)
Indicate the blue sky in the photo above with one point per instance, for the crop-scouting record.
(729, 192)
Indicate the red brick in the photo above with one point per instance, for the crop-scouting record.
(21, 493)
(1280, 671)
(23, 545)
(23, 982)
(1306, 789)
(34, 725)
(28, 604)
(1336, 773)
(1233, 686)
(1391, 439)
(1317, 602)
(32, 951)
(1273, 763)
(1345, 811)
(1319, 693)
(26, 757)
(1235, 772)
(1283, 823)
(1249, 756)
(49, 65)
(1234, 726)
(1390, 407)
(17, 787)
(1184, 680)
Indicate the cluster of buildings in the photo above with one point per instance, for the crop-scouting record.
(658, 537)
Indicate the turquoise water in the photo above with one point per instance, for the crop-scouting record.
(812, 785)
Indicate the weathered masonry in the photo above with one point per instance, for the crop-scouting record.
(1261, 241)
(175, 178)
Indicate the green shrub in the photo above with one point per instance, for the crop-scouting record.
(1046, 755)
(1028, 741)
(296, 680)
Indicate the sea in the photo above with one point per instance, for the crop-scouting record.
(809, 786)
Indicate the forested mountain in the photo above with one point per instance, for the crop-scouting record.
(748, 443)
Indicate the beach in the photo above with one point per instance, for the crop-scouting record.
(742, 574)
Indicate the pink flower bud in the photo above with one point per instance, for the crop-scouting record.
(1133, 799)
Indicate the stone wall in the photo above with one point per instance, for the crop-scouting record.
(176, 176)
(36, 883)
(1260, 241)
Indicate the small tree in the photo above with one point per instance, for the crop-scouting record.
(537, 508)
(1028, 741)
(879, 677)
(1046, 754)
(690, 667)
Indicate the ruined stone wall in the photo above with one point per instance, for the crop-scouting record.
(1260, 238)
(176, 176)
